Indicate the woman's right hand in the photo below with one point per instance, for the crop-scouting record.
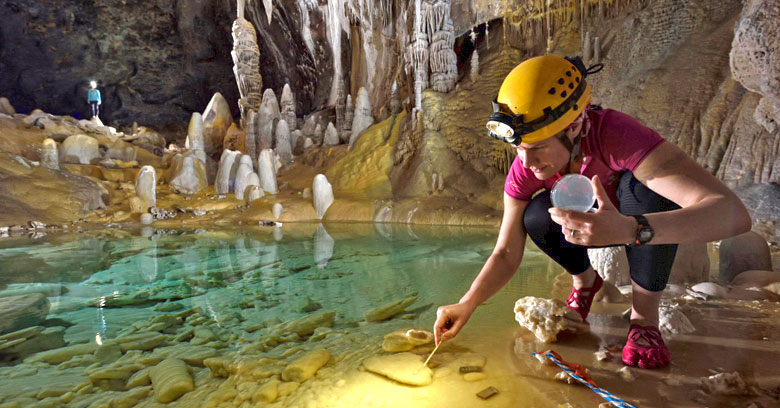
(449, 320)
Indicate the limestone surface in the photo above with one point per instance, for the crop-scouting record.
(543, 317)
(406, 368)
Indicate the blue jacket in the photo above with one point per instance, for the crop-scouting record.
(93, 95)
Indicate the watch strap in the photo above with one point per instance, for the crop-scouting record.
(642, 225)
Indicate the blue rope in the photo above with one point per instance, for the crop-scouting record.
(611, 398)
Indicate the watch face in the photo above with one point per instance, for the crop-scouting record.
(645, 235)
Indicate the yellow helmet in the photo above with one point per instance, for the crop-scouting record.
(539, 98)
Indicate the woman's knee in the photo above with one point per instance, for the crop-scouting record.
(536, 219)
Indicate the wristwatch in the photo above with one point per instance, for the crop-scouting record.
(644, 232)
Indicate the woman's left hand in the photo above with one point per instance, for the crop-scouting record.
(606, 226)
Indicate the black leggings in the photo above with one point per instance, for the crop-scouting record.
(650, 265)
(95, 108)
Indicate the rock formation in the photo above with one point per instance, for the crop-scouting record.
(251, 133)
(363, 117)
(226, 173)
(331, 135)
(80, 149)
(323, 194)
(474, 72)
(543, 317)
(405, 368)
(187, 174)
(406, 339)
(216, 121)
(306, 366)
(283, 142)
(244, 176)
(266, 168)
(254, 192)
(444, 62)
(276, 210)
(5, 107)
(349, 114)
(171, 379)
(49, 155)
(288, 107)
(146, 187)
(266, 124)
(195, 139)
(246, 64)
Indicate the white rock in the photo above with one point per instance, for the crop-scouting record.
(265, 127)
(146, 186)
(674, 321)
(710, 288)
(146, 219)
(283, 143)
(267, 171)
(242, 179)
(323, 194)
(331, 135)
(188, 174)
(288, 107)
(277, 210)
(80, 149)
(308, 143)
(49, 155)
(253, 193)
(543, 317)
(194, 139)
(226, 173)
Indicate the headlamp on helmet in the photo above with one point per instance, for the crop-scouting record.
(551, 89)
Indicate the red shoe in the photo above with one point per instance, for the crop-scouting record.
(583, 297)
(645, 348)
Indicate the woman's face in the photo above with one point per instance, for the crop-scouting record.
(549, 156)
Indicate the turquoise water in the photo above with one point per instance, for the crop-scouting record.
(239, 285)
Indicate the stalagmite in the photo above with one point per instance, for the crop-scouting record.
(474, 73)
(228, 164)
(265, 128)
(308, 143)
(49, 155)
(319, 136)
(194, 139)
(363, 118)
(188, 173)
(216, 122)
(271, 102)
(250, 134)
(243, 176)
(146, 186)
(395, 99)
(246, 64)
(277, 210)
(596, 50)
(331, 135)
(254, 192)
(349, 114)
(80, 149)
(587, 48)
(267, 169)
(309, 126)
(296, 136)
(323, 194)
(288, 107)
(283, 144)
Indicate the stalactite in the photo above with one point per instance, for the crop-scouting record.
(269, 10)
(246, 64)
(444, 64)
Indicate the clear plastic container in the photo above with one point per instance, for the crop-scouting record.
(573, 192)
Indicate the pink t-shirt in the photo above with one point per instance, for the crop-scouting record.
(615, 142)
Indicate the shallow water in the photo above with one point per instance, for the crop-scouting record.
(161, 286)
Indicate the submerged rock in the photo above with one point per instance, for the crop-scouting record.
(389, 310)
(19, 312)
(306, 366)
(406, 339)
(171, 379)
(406, 368)
(543, 317)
